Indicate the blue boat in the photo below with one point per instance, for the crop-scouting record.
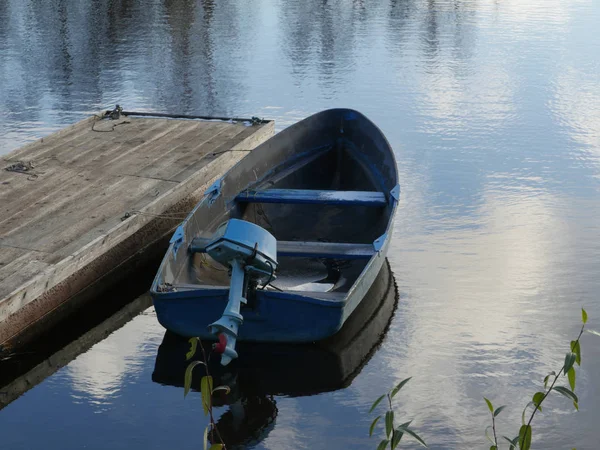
(286, 244)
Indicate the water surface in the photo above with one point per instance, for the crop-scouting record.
(493, 109)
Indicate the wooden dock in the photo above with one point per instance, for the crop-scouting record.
(82, 206)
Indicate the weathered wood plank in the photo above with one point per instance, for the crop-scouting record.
(212, 147)
(20, 270)
(68, 217)
(246, 142)
(23, 208)
(82, 133)
(131, 199)
(13, 261)
(191, 143)
(126, 163)
(58, 137)
(135, 139)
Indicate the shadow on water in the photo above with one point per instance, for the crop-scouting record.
(263, 371)
(76, 333)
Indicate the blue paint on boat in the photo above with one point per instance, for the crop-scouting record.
(378, 243)
(395, 193)
(177, 239)
(278, 316)
(350, 115)
(213, 191)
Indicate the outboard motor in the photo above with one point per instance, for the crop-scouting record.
(251, 253)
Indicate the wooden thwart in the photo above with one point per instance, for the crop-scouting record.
(312, 197)
(94, 184)
(300, 249)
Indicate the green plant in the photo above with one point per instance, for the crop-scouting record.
(207, 391)
(523, 439)
(392, 435)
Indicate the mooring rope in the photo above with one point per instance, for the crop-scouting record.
(129, 214)
(115, 114)
(25, 168)
(225, 151)
(97, 118)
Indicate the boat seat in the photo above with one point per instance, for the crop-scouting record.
(306, 196)
(335, 250)
(301, 249)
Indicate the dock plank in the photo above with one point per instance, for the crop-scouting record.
(22, 209)
(245, 141)
(164, 165)
(57, 138)
(95, 197)
(20, 271)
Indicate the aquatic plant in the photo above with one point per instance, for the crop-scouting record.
(207, 391)
(393, 435)
(523, 440)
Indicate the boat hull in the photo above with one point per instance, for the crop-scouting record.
(329, 180)
(281, 369)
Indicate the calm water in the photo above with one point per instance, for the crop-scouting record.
(493, 109)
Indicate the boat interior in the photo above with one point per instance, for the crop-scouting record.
(325, 208)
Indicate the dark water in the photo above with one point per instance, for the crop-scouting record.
(493, 109)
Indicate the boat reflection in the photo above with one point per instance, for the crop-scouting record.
(264, 371)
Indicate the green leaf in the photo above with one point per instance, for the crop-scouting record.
(372, 427)
(400, 385)
(525, 437)
(499, 410)
(524, 410)
(398, 433)
(593, 332)
(487, 434)
(187, 381)
(571, 374)
(490, 407)
(583, 316)
(376, 403)
(576, 348)
(493, 447)
(569, 361)
(216, 447)
(389, 423)
(206, 385)
(553, 373)
(383, 444)
(413, 434)
(576, 405)
(538, 397)
(396, 436)
(513, 442)
(194, 344)
(567, 393)
(205, 438)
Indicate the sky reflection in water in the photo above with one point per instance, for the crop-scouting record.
(494, 112)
